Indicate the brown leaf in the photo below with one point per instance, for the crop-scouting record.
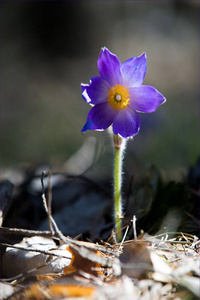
(71, 290)
(56, 291)
(135, 260)
(47, 277)
(79, 263)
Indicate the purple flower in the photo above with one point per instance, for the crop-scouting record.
(117, 95)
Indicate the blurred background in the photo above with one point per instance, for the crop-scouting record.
(49, 48)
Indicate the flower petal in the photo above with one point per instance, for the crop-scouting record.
(109, 67)
(100, 117)
(97, 91)
(134, 70)
(126, 123)
(145, 98)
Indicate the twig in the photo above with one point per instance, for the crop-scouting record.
(134, 228)
(125, 234)
(114, 233)
(154, 240)
(24, 232)
(47, 207)
(49, 199)
(45, 252)
(82, 250)
(23, 275)
(175, 232)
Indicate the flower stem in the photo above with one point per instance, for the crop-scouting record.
(118, 144)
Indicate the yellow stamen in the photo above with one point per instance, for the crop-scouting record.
(119, 97)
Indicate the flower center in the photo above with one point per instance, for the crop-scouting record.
(119, 97)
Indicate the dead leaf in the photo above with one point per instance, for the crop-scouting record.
(71, 290)
(79, 263)
(55, 291)
(135, 260)
(21, 259)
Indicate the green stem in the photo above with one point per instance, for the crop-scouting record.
(118, 144)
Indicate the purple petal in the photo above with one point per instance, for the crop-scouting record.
(126, 123)
(100, 117)
(97, 91)
(89, 126)
(145, 98)
(134, 70)
(109, 67)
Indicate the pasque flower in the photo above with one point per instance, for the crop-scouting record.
(117, 95)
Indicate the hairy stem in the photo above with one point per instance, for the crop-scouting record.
(119, 146)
